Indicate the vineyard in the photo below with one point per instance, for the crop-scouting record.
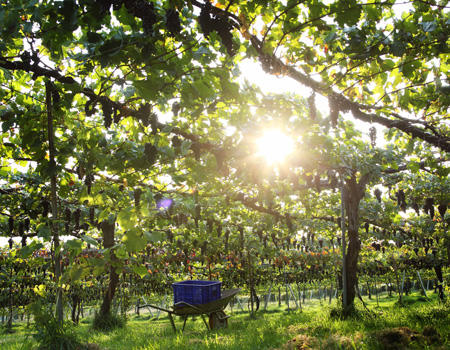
(296, 151)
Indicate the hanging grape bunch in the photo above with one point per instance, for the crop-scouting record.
(151, 154)
(312, 107)
(416, 207)
(173, 23)
(27, 224)
(11, 225)
(317, 183)
(21, 228)
(209, 23)
(88, 182)
(289, 223)
(76, 219)
(332, 178)
(219, 229)
(373, 136)
(139, 8)
(209, 225)
(137, 197)
(67, 216)
(154, 123)
(442, 208)
(107, 109)
(377, 194)
(429, 207)
(45, 207)
(92, 216)
(334, 111)
(176, 144)
(195, 147)
(401, 202)
(143, 114)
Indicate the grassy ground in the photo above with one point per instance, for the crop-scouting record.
(420, 324)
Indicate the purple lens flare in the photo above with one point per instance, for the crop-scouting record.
(164, 203)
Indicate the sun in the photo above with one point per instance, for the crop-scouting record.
(274, 146)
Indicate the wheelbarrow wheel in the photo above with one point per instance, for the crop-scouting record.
(218, 320)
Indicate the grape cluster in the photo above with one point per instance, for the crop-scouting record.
(67, 216)
(416, 208)
(176, 144)
(88, 182)
(154, 124)
(195, 147)
(143, 114)
(312, 107)
(377, 194)
(209, 23)
(373, 136)
(92, 216)
(334, 111)
(139, 8)
(332, 178)
(76, 219)
(145, 11)
(137, 197)
(442, 209)
(45, 207)
(401, 200)
(11, 224)
(317, 183)
(173, 23)
(107, 109)
(151, 153)
(429, 207)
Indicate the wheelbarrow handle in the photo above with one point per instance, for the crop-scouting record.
(181, 303)
(156, 307)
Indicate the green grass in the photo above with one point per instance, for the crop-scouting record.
(312, 328)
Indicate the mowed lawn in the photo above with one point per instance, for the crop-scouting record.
(419, 324)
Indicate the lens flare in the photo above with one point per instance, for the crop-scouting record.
(164, 204)
(274, 146)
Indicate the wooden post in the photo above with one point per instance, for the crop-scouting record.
(266, 301)
(376, 291)
(293, 295)
(299, 296)
(49, 88)
(403, 281)
(279, 296)
(344, 268)
(421, 284)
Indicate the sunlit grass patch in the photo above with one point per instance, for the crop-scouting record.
(313, 329)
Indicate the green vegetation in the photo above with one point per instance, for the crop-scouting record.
(107, 322)
(51, 334)
(428, 321)
(135, 153)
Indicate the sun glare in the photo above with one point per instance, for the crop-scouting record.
(274, 146)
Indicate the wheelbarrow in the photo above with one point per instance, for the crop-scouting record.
(214, 310)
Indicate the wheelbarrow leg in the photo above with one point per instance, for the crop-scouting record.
(184, 324)
(172, 322)
(204, 321)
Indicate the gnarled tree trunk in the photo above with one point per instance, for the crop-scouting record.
(353, 193)
(108, 230)
(438, 270)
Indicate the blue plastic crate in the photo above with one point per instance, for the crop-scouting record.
(196, 292)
